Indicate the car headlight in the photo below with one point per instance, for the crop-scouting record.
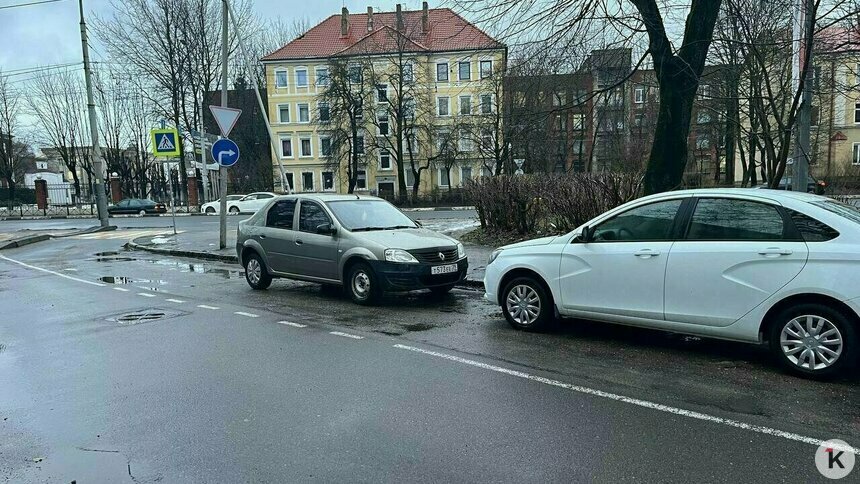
(461, 251)
(493, 256)
(399, 255)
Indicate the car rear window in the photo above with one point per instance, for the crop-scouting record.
(812, 230)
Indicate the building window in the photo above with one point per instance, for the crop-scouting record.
(559, 99)
(354, 74)
(382, 123)
(381, 93)
(301, 77)
(411, 142)
(322, 76)
(466, 105)
(361, 180)
(281, 78)
(561, 122)
(409, 72)
(283, 113)
(486, 139)
(486, 69)
(638, 118)
(409, 109)
(290, 181)
(465, 143)
(325, 146)
(704, 91)
(578, 121)
(305, 147)
(304, 113)
(308, 181)
(465, 175)
(856, 158)
(703, 141)
(442, 140)
(486, 103)
(464, 70)
(443, 178)
(384, 159)
(286, 147)
(359, 145)
(358, 110)
(328, 181)
(442, 72)
(639, 96)
(443, 104)
(857, 113)
(324, 112)
(703, 117)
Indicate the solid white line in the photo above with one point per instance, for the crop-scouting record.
(346, 335)
(145, 294)
(632, 401)
(177, 301)
(203, 306)
(120, 289)
(250, 315)
(28, 266)
(295, 325)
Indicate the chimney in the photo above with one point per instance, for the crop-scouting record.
(344, 22)
(425, 18)
(399, 18)
(370, 19)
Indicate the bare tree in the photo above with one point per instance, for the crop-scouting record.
(12, 153)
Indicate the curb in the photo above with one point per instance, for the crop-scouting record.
(196, 254)
(66, 217)
(32, 239)
(436, 209)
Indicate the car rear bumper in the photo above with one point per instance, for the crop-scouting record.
(408, 277)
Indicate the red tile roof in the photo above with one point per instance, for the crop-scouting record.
(447, 32)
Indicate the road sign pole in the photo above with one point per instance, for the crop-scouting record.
(172, 198)
(203, 171)
(222, 170)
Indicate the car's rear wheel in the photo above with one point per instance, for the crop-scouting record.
(526, 304)
(234, 210)
(362, 284)
(813, 340)
(142, 213)
(256, 274)
(210, 210)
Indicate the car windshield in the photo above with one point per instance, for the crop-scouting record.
(365, 215)
(850, 212)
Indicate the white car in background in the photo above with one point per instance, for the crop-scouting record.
(745, 265)
(250, 203)
(213, 208)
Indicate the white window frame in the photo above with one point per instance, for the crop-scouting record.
(578, 121)
(855, 154)
(326, 77)
(281, 139)
(299, 112)
(304, 69)
(358, 177)
(464, 61)
(416, 146)
(319, 104)
(462, 180)
(857, 112)
(464, 143)
(287, 175)
(448, 103)
(310, 141)
(362, 144)
(704, 91)
(333, 181)
(286, 77)
(481, 69)
(379, 88)
(460, 104)
(322, 151)
(390, 164)
(379, 120)
(639, 96)
(313, 182)
(441, 171)
(487, 134)
(289, 113)
(481, 103)
(447, 70)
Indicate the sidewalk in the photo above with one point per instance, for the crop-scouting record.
(20, 238)
(204, 245)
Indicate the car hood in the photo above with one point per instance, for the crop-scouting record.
(407, 239)
(530, 243)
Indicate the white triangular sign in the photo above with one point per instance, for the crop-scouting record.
(226, 118)
(165, 144)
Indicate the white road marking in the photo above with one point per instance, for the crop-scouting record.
(203, 306)
(65, 276)
(295, 325)
(124, 234)
(632, 401)
(70, 269)
(145, 294)
(177, 301)
(250, 315)
(346, 335)
(120, 289)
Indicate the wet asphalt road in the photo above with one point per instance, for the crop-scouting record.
(207, 394)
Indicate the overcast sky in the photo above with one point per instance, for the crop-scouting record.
(49, 34)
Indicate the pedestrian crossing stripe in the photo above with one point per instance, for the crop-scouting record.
(125, 234)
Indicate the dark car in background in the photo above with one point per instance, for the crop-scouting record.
(138, 206)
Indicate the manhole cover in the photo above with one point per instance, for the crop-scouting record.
(142, 316)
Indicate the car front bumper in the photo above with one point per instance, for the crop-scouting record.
(396, 276)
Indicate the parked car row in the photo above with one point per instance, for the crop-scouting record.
(237, 204)
(137, 206)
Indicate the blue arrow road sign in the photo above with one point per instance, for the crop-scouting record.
(225, 152)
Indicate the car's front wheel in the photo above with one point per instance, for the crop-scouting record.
(526, 304)
(362, 284)
(210, 210)
(234, 210)
(256, 274)
(142, 213)
(813, 340)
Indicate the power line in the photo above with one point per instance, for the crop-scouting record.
(28, 4)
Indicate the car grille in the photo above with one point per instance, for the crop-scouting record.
(432, 255)
(440, 279)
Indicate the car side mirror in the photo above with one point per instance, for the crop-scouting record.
(326, 229)
(586, 236)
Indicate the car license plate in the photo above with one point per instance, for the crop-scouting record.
(446, 269)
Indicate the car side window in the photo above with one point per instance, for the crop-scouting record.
(737, 220)
(812, 230)
(134, 202)
(249, 197)
(281, 214)
(311, 216)
(263, 196)
(647, 222)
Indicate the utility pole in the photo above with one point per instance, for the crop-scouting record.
(800, 169)
(99, 185)
(222, 170)
(203, 171)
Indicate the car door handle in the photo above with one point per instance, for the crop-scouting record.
(646, 253)
(261, 236)
(775, 251)
(299, 242)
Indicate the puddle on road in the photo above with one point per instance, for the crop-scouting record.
(199, 268)
(130, 280)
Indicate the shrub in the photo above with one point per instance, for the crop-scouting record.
(527, 204)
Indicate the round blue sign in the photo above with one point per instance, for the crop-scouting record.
(225, 152)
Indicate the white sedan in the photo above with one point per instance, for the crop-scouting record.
(250, 203)
(743, 265)
(213, 208)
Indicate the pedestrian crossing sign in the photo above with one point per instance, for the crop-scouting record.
(165, 142)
